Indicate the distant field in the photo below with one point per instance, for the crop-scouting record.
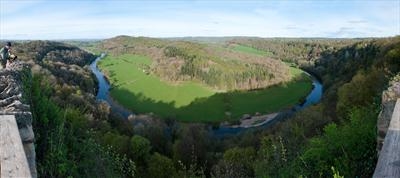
(189, 101)
(247, 49)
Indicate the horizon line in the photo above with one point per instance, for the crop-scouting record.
(239, 36)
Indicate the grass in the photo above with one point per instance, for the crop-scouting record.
(129, 72)
(296, 72)
(190, 101)
(247, 49)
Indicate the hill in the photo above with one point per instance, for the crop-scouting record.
(192, 81)
(214, 65)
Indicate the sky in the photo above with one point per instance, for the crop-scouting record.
(97, 19)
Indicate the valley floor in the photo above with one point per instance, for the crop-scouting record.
(142, 92)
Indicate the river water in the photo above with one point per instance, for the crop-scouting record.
(104, 87)
(315, 95)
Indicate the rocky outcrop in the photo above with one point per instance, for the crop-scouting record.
(12, 102)
(389, 98)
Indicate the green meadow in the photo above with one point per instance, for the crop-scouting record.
(141, 92)
(129, 72)
(247, 49)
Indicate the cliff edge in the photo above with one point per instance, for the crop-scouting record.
(13, 102)
(389, 98)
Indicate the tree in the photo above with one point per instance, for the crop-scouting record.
(160, 166)
(191, 149)
(272, 157)
(120, 143)
(237, 162)
(360, 91)
(140, 148)
(348, 147)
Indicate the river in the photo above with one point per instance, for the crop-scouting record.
(104, 87)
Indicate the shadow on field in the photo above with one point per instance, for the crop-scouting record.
(220, 106)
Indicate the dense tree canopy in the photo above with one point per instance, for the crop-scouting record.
(78, 137)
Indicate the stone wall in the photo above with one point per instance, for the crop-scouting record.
(12, 103)
(389, 98)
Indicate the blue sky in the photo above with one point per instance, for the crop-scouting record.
(74, 19)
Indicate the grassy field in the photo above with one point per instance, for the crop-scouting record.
(247, 49)
(188, 101)
(129, 72)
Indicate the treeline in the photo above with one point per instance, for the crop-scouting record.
(213, 65)
(56, 51)
(65, 67)
(303, 52)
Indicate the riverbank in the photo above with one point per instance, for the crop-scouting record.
(254, 121)
(104, 88)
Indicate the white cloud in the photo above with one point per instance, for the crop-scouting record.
(264, 21)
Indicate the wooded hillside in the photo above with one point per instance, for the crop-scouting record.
(214, 65)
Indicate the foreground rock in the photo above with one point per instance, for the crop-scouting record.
(389, 98)
(12, 103)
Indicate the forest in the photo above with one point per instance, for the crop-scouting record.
(212, 65)
(77, 136)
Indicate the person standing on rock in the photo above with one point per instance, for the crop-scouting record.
(5, 54)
